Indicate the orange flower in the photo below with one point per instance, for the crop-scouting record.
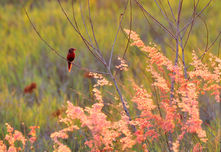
(12, 137)
(197, 148)
(123, 66)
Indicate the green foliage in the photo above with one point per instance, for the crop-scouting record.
(24, 58)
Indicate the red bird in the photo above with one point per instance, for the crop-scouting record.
(70, 58)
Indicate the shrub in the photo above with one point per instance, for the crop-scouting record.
(173, 113)
(15, 141)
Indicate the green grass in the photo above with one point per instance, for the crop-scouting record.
(24, 58)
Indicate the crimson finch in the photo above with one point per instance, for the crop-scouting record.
(70, 57)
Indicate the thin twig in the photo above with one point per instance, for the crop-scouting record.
(219, 49)
(181, 40)
(164, 14)
(177, 48)
(112, 49)
(96, 49)
(128, 40)
(192, 23)
(84, 40)
(198, 14)
(121, 98)
(163, 9)
(82, 16)
(183, 59)
(175, 64)
(156, 31)
(155, 20)
(39, 35)
(214, 41)
(73, 12)
(171, 10)
(78, 30)
(207, 33)
(202, 56)
(55, 51)
(91, 23)
(106, 66)
(177, 32)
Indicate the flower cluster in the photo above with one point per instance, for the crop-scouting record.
(123, 65)
(186, 91)
(172, 109)
(210, 80)
(101, 81)
(146, 128)
(104, 133)
(14, 136)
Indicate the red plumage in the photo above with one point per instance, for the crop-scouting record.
(70, 57)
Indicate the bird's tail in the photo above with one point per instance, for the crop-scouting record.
(69, 66)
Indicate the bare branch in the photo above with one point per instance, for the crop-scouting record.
(177, 30)
(176, 62)
(54, 50)
(198, 14)
(165, 16)
(183, 59)
(82, 16)
(89, 70)
(163, 9)
(125, 35)
(128, 41)
(39, 35)
(75, 21)
(128, 38)
(108, 67)
(202, 56)
(84, 40)
(171, 10)
(155, 20)
(214, 41)
(207, 33)
(112, 49)
(121, 98)
(78, 30)
(92, 27)
(192, 23)
(219, 47)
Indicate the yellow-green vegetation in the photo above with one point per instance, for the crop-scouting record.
(24, 57)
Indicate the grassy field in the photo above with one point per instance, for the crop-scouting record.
(24, 58)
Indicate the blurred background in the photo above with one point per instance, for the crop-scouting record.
(27, 63)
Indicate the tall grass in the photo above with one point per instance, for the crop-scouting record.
(24, 58)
